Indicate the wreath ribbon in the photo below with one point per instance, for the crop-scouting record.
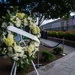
(22, 32)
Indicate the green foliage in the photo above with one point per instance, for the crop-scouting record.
(57, 50)
(70, 36)
(61, 34)
(47, 56)
(42, 8)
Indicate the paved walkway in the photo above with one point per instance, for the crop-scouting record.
(67, 49)
(62, 66)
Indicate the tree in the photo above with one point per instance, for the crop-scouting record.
(44, 9)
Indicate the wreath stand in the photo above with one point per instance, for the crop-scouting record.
(14, 68)
(24, 33)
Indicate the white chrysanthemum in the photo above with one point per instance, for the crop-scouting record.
(25, 22)
(31, 49)
(10, 49)
(36, 49)
(25, 48)
(32, 25)
(12, 19)
(37, 44)
(38, 29)
(39, 35)
(20, 15)
(24, 56)
(17, 48)
(21, 53)
(29, 18)
(34, 30)
(18, 22)
(9, 40)
(16, 58)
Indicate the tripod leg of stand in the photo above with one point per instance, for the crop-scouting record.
(34, 67)
(14, 68)
(38, 59)
(38, 64)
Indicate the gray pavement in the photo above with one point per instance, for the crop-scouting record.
(62, 66)
(67, 49)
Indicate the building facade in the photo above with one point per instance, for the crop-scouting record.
(60, 24)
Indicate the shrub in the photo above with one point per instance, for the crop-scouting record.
(61, 34)
(47, 56)
(57, 50)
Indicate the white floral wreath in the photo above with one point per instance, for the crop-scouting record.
(11, 48)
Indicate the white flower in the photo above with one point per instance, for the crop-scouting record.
(18, 22)
(25, 48)
(25, 22)
(17, 48)
(10, 23)
(29, 18)
(20, 15)
(9, 48)
(12, 19)
(32, 25)
(34, 31)
(21, 53)
(15, 57)
(36, 49)
(37, 44)
(24, 56)
(31, 49)
(9, 40)
(4, 24)
(11, 6)
(38, 29)
(39, 35)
